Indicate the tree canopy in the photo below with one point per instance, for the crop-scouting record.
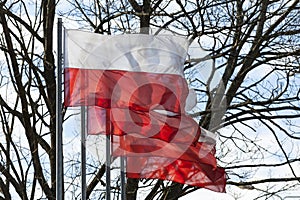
(247, 85)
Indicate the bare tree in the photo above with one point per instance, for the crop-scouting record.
(253, 105)
(29, 101)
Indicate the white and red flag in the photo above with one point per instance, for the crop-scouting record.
(139, 72)
(139, 78)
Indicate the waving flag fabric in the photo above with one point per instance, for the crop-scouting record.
(139, 72)
(135, 145)
(152, 124)
(193, 164)
(181, 171)
(139, 79)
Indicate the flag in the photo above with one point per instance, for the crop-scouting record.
(139, 79)
(150, 153)
(139, 72)
(192, 163)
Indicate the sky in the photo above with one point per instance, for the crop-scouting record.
(233, 192)
(72, 139)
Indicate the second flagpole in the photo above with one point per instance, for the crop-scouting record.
(59, 150)
(122, 167)
(108, 156)
(83, 153)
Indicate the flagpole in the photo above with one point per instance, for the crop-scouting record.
(108, 159)
(122, 166)
(83, 153)
(59, 150)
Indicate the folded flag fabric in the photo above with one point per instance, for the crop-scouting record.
(193, 164)
(152, 124)
(181, 171)
(134, 146)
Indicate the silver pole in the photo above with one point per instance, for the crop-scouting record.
(59, 150)
(122, 166)
(83, 153)
(108, 161)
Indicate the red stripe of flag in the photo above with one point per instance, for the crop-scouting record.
(121, 89)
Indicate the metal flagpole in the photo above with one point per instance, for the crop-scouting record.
(83, 153)
(59, 151)
(108, 159)
(122, 166)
